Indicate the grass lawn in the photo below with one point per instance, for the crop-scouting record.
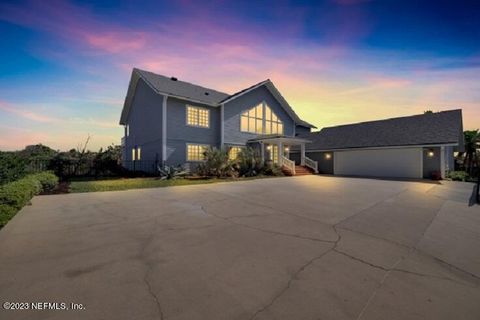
(140, 183)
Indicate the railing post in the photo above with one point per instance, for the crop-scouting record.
(302, 154)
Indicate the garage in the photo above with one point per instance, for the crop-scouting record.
(394, 162)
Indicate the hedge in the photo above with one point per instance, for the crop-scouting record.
(16, 194)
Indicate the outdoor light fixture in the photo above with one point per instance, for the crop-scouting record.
(269, 147)
(430, 153)
(287, 149)
(328, 156)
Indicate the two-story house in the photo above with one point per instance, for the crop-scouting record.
(168, 121)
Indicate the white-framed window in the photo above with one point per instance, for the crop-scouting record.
(261, 120)
(233, 152)
(198, 117)
(195, 152)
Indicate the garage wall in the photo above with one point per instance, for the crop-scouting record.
(398, 163)
(431, 164)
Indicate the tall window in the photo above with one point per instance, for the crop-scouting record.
(195, 152)
(233, 152)
(136, 153)
(198, 117)
(261, 120)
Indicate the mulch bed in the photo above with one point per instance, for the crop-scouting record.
(63, 187)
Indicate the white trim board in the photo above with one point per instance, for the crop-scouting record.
(375, 148)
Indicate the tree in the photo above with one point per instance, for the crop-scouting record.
(427, 112)
(472, 140)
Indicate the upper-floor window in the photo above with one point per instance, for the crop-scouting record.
(198, 117)
(261, 120)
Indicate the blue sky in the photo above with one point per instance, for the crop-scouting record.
(66, 65)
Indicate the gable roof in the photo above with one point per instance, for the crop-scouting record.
(274, 91)
(188, 91)
(443, 127)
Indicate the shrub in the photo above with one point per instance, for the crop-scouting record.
(271, 169)
(170, 172)
(6, 213)
(16, 194)
(217, 164)
(47, 179)
(248, 163)
(458, 175)
(12, 167)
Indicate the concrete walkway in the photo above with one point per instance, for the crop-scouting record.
(311, 247)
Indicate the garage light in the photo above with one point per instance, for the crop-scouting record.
(430, 153)
(328, 156)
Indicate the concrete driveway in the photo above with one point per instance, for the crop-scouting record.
(311, 247)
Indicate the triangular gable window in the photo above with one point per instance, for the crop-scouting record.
(261, 120)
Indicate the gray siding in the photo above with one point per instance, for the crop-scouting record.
(325, 166)
(144, 120)
(302, 130)
(179, 133)
(431, 164)
(234, 108)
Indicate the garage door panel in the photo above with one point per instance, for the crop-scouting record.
(402, 163)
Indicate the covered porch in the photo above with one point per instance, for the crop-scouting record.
(277, 149)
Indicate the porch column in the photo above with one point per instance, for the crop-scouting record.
(302, 154)
(262, 151)
(280, 153)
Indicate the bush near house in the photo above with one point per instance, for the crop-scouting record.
(458, 175)
(16, 194)
(247, 164)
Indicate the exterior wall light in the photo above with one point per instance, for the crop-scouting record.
(328, 156)
(287, 149)
(430, 153)
(269, 147)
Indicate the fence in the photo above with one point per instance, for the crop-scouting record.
(93, 168)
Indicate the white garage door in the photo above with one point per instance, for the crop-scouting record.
(400, 163)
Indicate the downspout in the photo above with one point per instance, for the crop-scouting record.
(164, 130)
(222, 126)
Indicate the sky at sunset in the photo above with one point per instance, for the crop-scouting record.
(65, 65)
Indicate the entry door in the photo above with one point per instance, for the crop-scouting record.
(273, 152)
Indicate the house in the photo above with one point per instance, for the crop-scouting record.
(172, 122)
(417, 146)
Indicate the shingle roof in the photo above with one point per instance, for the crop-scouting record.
(185, 90)
(443, 127)
(181, 88)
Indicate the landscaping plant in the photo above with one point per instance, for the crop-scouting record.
(248, 163)
(217, 164)
(16, 194)
(171, 172)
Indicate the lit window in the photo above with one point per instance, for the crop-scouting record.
(261, 120)
(233, 152)
(127, 130)
(195, 152)
(198, 117)
(136, 153)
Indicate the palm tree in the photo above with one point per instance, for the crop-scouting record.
(472, 141)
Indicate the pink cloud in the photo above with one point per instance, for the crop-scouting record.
(27, 114)
(115, 42)
(14, 138)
